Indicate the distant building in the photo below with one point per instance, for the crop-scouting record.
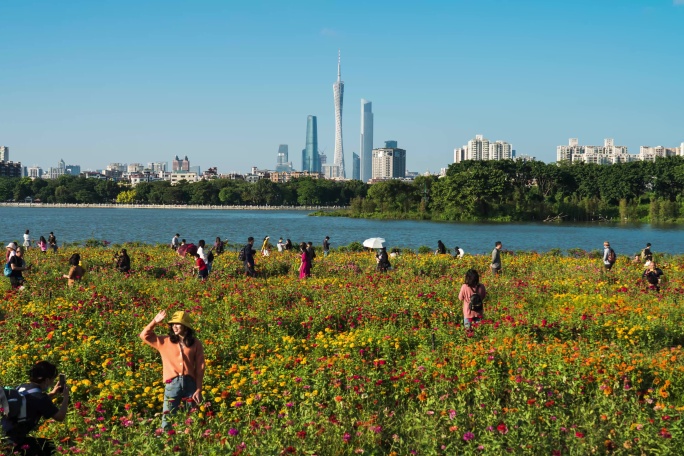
(55, 172)
(157, 166)
(356, 166)
(4, 154)
(651, 153)
(389, 162)
(310, 158)
(134, 168)
(10, 169)
(283, 165)
(338, 97)
(286, 177)
(183, 175)
(366, 147)
(181, 165)
(196, 170)
(481, 148)
(34, 172)
(72, 170)
(609, 153)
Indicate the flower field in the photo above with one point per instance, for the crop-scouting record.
(568, 360)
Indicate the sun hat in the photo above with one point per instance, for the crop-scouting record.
(182, 318)
(12, 246)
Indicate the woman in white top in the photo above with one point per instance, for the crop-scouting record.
(27, 240)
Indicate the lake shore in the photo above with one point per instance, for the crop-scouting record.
(170, 206)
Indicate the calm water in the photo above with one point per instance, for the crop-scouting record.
(159, 225)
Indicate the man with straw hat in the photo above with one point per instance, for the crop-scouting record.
(182, 360)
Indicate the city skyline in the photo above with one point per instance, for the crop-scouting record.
(95, 82)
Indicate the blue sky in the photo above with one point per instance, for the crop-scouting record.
(226, 82)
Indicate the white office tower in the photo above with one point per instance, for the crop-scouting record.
(366, 140)
(338, 93)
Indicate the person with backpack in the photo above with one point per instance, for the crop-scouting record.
(38, 405)
(246, 255)
(609, 256)
(472, 295)
(16, 266)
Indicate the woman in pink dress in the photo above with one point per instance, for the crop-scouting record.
(305, 266)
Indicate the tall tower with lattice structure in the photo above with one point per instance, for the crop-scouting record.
(338, 93)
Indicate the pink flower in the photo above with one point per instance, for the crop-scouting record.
(233, 431)
(468, 436)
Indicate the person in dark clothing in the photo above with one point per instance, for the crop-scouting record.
(288, 245)
(123, 261)
(218, 246)
(248, 261)
(52, 242)
(653, 276)
(646, 254)
(441, 248)
(326, 246)
(38, 405)
(311, 252)
(383, 260)
(18, 265)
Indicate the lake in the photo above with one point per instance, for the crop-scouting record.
(118, 225)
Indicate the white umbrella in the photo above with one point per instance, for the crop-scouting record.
(374, 243)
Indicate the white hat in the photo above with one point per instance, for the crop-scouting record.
(12, 246)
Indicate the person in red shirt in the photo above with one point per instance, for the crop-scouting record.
(201, 266)
(182, 360)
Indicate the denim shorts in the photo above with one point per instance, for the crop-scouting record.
(177, 389)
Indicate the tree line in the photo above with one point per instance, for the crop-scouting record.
(507, 190)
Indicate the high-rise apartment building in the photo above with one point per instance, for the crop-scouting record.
(283, 165)
(481, 148)
(310, 158)
(338, 95)
(34, 172)
(72, 170)
(609, 153)
(366, 147)
(180, 165)
(356, 166)
(651, 153)
(4, 154)
(157, 167)
(389, 162)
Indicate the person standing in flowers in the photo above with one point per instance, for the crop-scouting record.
(496, 258)
(266, 247)
(123, 261)
(182, 360)
(52, 241)
(471, 286)
(18, 266)
(653, 275)
(312, 254)
(175, 242)
(305, 266)
(42, 243)
(201, 266)
(38, 405)
(608, 256)
(382, 259)
(27, 240)
(248, 257)
(76, 272)
(441, 248)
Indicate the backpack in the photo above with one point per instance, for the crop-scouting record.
(241, 255)
(13, 403)
(8, 270)
(611, 256)
(476, 302)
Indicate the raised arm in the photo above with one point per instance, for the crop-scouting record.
(147, 335)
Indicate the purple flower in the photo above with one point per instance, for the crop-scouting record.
(233, 431)
(468, 436)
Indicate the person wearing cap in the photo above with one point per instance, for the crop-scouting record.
(10, 251)
(18, 266)
(182, 360)
(38, 405)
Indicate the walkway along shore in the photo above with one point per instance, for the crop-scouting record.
(173, 206)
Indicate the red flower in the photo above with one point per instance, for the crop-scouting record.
(502, 428)
(579, 435)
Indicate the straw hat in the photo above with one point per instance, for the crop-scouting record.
(182, 318)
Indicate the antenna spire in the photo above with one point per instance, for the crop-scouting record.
(339, 72)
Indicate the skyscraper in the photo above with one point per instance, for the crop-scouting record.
(338, 94)
(283, 165)
(366, 148)
(356, 166)
(4, 154)
(389, 162)
(310, 159)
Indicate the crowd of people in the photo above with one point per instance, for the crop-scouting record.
(182, 354)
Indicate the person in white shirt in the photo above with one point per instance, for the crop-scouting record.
(203, 254)
(27, 240)
(281, 245)
(458, 252)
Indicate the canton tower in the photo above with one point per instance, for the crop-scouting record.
(338, 93)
